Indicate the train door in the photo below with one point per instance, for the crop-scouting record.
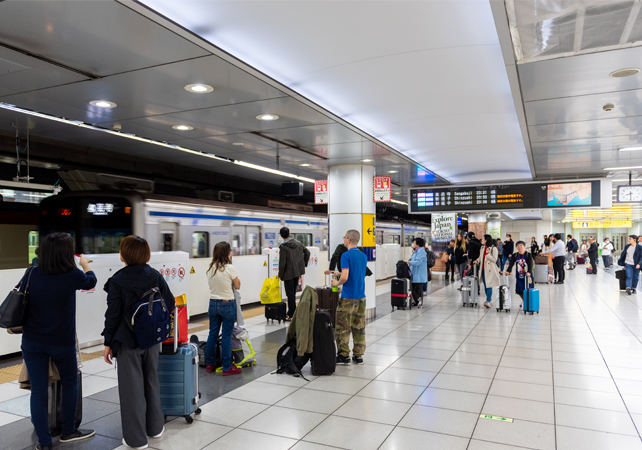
(237, 240)
(169, 237)
(253, 240)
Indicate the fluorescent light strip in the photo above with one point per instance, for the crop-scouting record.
(150, 141)
(622, 168)
(630, 149)
(398, 202)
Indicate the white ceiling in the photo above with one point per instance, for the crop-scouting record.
(425, 77)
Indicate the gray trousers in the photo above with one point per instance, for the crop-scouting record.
(139, 391)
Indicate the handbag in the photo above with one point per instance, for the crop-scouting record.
(13, 311)
(445, 257)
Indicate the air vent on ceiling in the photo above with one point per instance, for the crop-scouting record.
(621, 73)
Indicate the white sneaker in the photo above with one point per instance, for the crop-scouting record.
(159, 435)
(487, 304)
(137, 448)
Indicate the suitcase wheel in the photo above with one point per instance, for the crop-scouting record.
(497, 309)
(189, 419)
(198, 410)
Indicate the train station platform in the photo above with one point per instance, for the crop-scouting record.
(443, 377)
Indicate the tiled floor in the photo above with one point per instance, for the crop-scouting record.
(569, 377)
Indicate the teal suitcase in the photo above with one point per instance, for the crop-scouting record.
(531, 300)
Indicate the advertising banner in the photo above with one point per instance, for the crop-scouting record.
(443, 229)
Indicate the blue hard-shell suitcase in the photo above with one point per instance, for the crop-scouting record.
(178, 377)
(531, 301)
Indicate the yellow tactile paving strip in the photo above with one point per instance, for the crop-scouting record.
(12, 373)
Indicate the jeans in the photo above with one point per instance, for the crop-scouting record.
(500, 262)
(220, 311)
(36, 356)
(504, 259)
(290, 293)
(632, 275)
(489, 290)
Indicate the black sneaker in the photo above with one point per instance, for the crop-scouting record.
(46, 447)
(357, 359)
(634, 291)
(628, 291)
(77, 435)
(343, 360)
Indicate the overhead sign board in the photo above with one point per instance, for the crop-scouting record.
(604, 224)
(381, 189)
(321, 192)
(505, 197)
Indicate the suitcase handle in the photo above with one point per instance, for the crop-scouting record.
(175, 332)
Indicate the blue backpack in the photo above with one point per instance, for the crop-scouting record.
(150, 319)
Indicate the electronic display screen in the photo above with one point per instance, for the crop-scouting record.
(505, 197)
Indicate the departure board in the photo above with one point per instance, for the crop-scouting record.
(505, 197)
(474, 198)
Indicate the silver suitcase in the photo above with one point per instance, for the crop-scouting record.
(504, 300)
(540, 273)
(469, 289)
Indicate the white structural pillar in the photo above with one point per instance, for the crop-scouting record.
(350, 198)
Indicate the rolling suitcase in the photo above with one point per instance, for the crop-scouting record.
(328, 300)
(400, 293)
(55, 406)
(621, 276)
(581, 260)
(504, 296)
(540, 273)
(324, 352)
(531, 300)
(178, 378)
(275, 311)
(469, 288)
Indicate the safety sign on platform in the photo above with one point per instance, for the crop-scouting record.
(381, 189)
(321, 194)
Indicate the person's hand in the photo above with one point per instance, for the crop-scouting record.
(637, 267)
(507, 273)
(83, 261)
(328, 272)
(510, 255)
(335, 283)
(528, 274)
(476, 261)
(108, 354)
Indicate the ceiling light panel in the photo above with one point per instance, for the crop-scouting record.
(199, 88)
(103, 104)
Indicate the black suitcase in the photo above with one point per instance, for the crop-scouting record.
(324, 352)
(55, 406)
(621, 276)
(328, 300)
(400, 293)
(275, 311)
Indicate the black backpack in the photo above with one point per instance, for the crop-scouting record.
(430, 256)
(403, 270)
(287, 360)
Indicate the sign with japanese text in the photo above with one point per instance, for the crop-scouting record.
(604, 224)
(368, 231)
(381, 189)
(321, 192)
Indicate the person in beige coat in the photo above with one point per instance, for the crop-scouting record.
(488, 262)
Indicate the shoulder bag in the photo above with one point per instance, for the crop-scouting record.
(13, 311)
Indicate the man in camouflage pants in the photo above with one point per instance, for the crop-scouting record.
(351, 311)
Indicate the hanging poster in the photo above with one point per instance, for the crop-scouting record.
(381, 189)
(443, 229)
(321, 192)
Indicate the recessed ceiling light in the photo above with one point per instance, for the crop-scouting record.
(238, 143)
(182, 127)
(267, 117)
(630, 149)
(305, 165)
(397, 193)
(392, 171)
(103, 104)
(366, 160)
(199, 88)
(621, 73)
(622, 168)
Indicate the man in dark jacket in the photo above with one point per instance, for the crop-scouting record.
(474, 247)
(293, 259)
(631, 260)
(335, 260)
(592, 253)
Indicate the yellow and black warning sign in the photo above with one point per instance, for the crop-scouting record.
(192, 271)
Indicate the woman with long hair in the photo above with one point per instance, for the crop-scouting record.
(488, 264)
(222, 280)
(49, 332)
(141, 412)
(461, 257)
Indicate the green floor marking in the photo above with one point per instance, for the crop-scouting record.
(501, 419)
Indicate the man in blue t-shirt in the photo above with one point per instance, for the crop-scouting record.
(351, 311)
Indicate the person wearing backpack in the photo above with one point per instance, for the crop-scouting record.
(431, 260)
(49, 332)
(138, 386)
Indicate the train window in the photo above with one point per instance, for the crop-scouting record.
(252, 243)
(33, 245)
(200, 244)
(394, 239)
(305, 239)
(408, 240)
(168, 242)
(98, 242)
(237, 244)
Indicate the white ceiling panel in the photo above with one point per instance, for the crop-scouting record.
(440, 59)
(625, 126)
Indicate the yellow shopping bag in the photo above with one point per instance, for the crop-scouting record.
(271, 291)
